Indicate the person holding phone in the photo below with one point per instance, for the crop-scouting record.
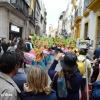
(70, 71)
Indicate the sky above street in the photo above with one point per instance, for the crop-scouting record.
(54, 9)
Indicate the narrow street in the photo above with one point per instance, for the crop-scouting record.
(32, 31)
(57, 67)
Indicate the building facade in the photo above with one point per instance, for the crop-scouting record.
(13, 19)
(53, 31)
(81, 19)
(91, 21)
(65, 22)
(40, 18)
(86, 19)
(19, 18)
(60, 25)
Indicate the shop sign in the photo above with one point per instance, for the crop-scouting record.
(15, 28)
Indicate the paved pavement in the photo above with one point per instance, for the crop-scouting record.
(58, 67)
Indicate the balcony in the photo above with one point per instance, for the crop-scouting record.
(74, 3)
(37, 23)
(86, 3)
(72, 23)
(94, 5)
(21, 5)
(86, 13)
(85, 10)
(72, 27)
(78, 15)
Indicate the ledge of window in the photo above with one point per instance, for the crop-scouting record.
(74, 3)
(72, 27)
(78, 19)
(86, 13)
(94, 5)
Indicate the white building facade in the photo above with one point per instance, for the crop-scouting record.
(86, 20)
(53, 31)
(18, 19)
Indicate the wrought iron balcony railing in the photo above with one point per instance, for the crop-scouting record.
(78, 12)
(21, 5)
(86, 3)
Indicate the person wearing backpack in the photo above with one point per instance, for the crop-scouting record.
(28, 45)
(82, 64)
(67, 81)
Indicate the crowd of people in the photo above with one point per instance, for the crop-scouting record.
(67, 83)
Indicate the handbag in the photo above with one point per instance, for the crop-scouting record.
(62, 88)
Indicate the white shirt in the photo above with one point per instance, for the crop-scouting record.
(30, 44)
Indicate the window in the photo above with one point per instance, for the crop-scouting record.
(41, 19)
(18, 2)
(13, 1)
(28, 2)
(22, 5)
(86, 3)
(86, 30)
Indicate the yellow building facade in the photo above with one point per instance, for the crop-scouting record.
(86, 18)
(32, 6)
(77, 19)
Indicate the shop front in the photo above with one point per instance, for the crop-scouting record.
(14, 31)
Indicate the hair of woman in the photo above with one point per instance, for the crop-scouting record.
(37, 80)
(21, 42)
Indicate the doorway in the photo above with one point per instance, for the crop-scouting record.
(14, 31)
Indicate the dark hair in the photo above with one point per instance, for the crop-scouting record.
(25, 38)
(21, 42)
(29, 39)
(15, 41)
(87, 38)
(8, 61)
(83, 51)
(12, 43)
(21, 62)
(3, 39)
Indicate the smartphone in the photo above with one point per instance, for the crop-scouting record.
(63, 55)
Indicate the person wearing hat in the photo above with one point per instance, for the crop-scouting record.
(70, 71)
